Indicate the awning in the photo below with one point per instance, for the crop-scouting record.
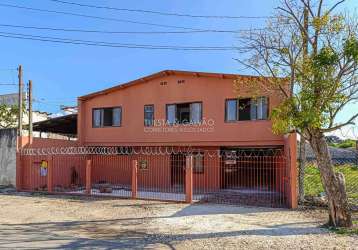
(64, 125)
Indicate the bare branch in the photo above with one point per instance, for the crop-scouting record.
(349, 122)
(335, 6)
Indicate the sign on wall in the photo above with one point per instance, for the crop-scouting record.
(143, 165)
(43, 168)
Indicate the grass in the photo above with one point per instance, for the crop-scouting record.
(313, 184)
(347, 231)
(313, 187)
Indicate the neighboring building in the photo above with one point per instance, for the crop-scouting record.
(9, 99)
(8, 156)
(155, 111)
(333, 139)
(339, 156)
(69, 109)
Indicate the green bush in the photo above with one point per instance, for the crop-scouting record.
(313, 184)
(344, 144)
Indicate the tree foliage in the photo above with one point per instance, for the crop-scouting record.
(8, 115)
(321, 81)
(309, 54)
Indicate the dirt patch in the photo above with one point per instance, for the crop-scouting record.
(72, 222)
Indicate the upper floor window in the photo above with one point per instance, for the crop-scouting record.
(184, 113)
(231, 110)
(259, 108)
(246, 109)
(148, 115)
(106, 117)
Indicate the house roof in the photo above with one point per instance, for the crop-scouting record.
(162, 74)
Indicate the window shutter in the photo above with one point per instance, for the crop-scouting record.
(97, 118)
(116, 118)
(231, 110)
(195, 112)
(171, 113)
(263, 108)
(254, 109)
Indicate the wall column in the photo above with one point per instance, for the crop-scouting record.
(50, 174)
(134, 179)
(88, 176)
(189, 179)
(80, 122)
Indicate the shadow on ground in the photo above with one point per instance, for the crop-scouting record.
(113, 234)
(133, 232)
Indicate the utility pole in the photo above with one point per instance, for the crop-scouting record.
(20, 101)
(30, 109)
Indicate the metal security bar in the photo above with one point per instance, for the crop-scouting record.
(184, 174)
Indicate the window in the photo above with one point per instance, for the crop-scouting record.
(195, 112)
(171, 113)
(259, 108)
(148, 115)
(106, 117)
(246, 109)
(96, 118)
(184, 113)
(198, 163)
(231, 110)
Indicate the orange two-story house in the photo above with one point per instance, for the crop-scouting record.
(204, 111)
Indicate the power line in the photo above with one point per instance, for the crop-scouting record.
(128, 32)
(7, 84)
(114, 45)
(9, 69)
(102, 18)
(159, 12)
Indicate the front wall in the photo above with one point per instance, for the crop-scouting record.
(211, 91)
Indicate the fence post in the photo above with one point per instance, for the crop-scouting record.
(50, 174)
(88, 176)
(134, 179)
(189, 179)
(19, 169)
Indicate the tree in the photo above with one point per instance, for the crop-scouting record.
(301, 171)
(8, 115)
(313, 63)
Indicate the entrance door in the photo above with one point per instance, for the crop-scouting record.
(230, 170)
(177, 170)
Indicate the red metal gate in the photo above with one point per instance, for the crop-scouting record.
(241, 176)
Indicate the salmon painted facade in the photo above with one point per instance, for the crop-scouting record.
(235, 154)
(212, 91)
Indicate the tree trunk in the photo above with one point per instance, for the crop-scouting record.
(333, 183)
(301, 171)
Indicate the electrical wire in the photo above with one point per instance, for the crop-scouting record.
(159, 12)
(7, 84)
(114, 45)
(127, 32)
(103, 18)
